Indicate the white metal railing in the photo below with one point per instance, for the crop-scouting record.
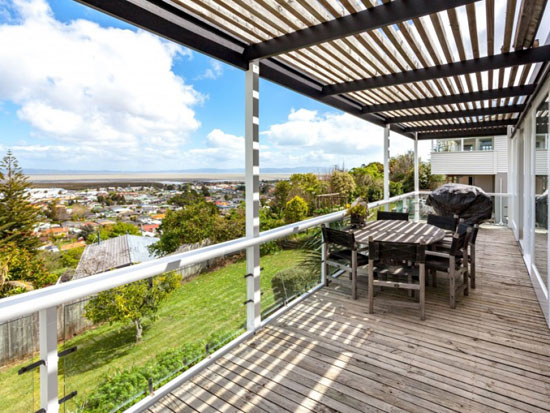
(45, 300)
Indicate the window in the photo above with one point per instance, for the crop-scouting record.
(463, 145)
(451, 145)
(485, 144)
(469, 144)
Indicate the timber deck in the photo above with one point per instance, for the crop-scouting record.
(492, 353)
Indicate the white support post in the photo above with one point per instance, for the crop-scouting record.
(510, 177)
(47, 328)
(386, 165)
(252, 186)
(416, 179)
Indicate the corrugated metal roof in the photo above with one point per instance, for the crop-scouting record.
(114, 253)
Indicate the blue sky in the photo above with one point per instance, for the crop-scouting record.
(82, 90)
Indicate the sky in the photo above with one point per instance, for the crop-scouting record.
(80, 90)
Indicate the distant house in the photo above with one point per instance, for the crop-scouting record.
(72, 245)
(114, 253)
(56, 232)
(149, 229)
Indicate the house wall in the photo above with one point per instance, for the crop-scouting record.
(472, 162)
(528, 170)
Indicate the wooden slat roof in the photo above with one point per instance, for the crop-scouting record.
(420, 66)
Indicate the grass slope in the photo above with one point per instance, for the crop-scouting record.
(209, 303)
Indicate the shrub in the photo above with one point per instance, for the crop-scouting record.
(123, 385)
(296, 210)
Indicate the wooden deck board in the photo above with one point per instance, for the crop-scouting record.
(327, 354)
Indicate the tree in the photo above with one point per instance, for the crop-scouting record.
(113, 231)
(426, 179)
(369, 181)
(282, 191)
(132, 302)
(306, 186)
(21, 270)
(401, 166)
(193, 223)
(295, 210)
(343, 183)
(17, 215)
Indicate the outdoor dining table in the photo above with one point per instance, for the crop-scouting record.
(399, 231)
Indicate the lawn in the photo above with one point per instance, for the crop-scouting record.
(209, 303)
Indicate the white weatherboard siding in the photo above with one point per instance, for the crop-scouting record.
(501, 150)
(541, 167)
(472, 162)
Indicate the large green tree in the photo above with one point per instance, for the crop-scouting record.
(17, 215)
(343, 183)
(192, 223)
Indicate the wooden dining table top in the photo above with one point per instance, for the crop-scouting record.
(399, 231)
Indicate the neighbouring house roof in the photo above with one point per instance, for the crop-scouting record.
(114, 253)
(150, 227)
(72, 245)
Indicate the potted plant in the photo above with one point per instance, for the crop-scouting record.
(358, 212)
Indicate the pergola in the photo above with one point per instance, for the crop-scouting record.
(415, 67)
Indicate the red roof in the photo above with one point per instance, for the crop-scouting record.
(150, 227)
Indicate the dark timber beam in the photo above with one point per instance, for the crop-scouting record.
(174, 24)
(451, 99)
(457, 114)
(463, 134)
(387, 14)
(520, 57)
(460, 126)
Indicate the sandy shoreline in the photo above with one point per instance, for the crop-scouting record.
(147, 177)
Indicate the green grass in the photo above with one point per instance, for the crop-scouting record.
(207, 304)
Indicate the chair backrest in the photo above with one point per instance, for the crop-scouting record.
(443, 222)
(473, 235)
(396, 252)
(460, 239)
(342, 238)
(395, 216)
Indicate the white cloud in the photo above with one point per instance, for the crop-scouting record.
(314, 139)
(223, 151)
(213, 72)
(92, 88)
(306, 139)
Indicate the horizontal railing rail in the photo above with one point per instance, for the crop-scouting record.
(34, 301)
(46, 300)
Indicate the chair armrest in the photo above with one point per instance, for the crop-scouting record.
(438, 254)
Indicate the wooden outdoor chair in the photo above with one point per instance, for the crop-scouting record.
(341, 251)
(472, 256)
(445, 246)
(399, 265)
(453, 262)
(392, 216)
(447, 223)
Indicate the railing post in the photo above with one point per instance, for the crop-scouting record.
(252, 186)
(416, 179)
(386, 165)
(324, 266)
(47, 329)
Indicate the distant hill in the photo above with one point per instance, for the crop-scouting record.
(304, 169)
